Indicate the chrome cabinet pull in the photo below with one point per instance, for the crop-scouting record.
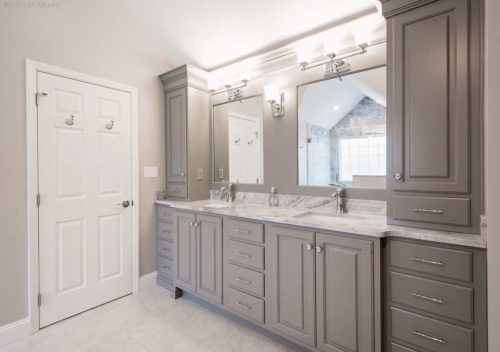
(247, 232)
(243, 281)
(244, 255)
(183, 174)
(429, 211)
(244, 306)
(427, 298)
(70, 121)
(425, 261)
(319, 249)
(398, 176)
(165, 231)
(309, 246)
(166, 267)
(440, 340)
(166, 249)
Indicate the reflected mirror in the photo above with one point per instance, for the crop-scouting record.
(237, 141)
(342, 131)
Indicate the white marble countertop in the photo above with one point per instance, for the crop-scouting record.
(359, 223)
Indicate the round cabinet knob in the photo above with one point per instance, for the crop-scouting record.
(309, 246)
(319, 249)
(124, 204)
(398, 176)
(183, 174)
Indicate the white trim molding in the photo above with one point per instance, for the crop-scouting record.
(147, 281)
(14, 331)
(32, 68)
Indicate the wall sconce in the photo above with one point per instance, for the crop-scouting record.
(276, 99)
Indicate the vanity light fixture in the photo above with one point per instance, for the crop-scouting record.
(276, 99)
(234, 91)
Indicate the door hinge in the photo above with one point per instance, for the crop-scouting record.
(37, 95)
(39, 299)
(132, 202)
(38, 200)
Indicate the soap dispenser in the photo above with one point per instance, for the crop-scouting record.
(273, 197)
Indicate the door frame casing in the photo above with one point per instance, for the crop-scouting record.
(32, 69)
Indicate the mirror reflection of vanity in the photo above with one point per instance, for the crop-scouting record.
(237, 128)
(342, 131)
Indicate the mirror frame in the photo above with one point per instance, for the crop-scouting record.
(212, 142)
(353, 192)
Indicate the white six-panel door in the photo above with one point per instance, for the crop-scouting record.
(85, 175)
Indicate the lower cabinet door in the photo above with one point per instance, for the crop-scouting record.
(344, 296)
(290, 257)
(185, 251)
(209, 257)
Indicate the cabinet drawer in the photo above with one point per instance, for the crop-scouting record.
(165, 230)
(246, 254)
(450, 263)
(431, 334)
(399, 348)
(246, 279)
(244, 230)
(451, 301)
(166, 214)
(165, 268)
(165, 249)
(449, 211)
(245, 305)
(177, 190)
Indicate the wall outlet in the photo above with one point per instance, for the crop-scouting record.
(199, 174)
(150, 171)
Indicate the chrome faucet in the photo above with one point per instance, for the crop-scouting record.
(227, 193)
(338, 195)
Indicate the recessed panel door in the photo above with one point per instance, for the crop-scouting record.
(85, 175)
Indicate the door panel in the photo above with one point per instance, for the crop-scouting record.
(430, 117)
(185, 251)
(291, 283)
(176, 131)
(85, 172)
(209, 255)
(344, 281)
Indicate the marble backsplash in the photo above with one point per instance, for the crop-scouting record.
(325, 204)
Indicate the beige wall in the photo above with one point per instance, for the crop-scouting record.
(492, 162)
(101, 38)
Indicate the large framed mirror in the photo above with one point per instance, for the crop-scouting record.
(237, 135)
(342, 131)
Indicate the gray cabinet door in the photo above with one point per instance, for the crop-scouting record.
(429, 105)
(209, 258)
(291, 283)
(185, 251)
(176, 135)
(344, 294)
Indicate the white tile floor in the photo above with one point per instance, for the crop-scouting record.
(147, 322)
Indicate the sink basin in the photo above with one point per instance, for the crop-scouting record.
(280, 213)
(326, 218)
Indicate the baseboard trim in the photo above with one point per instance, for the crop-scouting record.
(147, 280)
(14, 331)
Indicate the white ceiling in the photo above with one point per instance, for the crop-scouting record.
(210, 33)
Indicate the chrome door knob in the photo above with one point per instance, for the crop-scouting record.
(125, 204)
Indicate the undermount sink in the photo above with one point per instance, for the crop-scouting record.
(216, 205)
(326, 218)
(280, 213)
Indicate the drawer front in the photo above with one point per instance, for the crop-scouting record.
(177, 190)
(165, 214)
(449, 263)
(447, 211)
(451, 301)
(246, 254)
(398, 348)
(244, 230)
(246, 279)
(165, 268)
(431, 334)
(165, 249)
(165, 230)
(245, 305)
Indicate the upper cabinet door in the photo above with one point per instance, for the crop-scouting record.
(176, 133)
(429, 100)
(344, 294)
(291, 281)
(209, 255)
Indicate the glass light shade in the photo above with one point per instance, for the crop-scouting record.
(271, 93)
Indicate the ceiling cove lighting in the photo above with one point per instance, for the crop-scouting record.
(276, 99)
